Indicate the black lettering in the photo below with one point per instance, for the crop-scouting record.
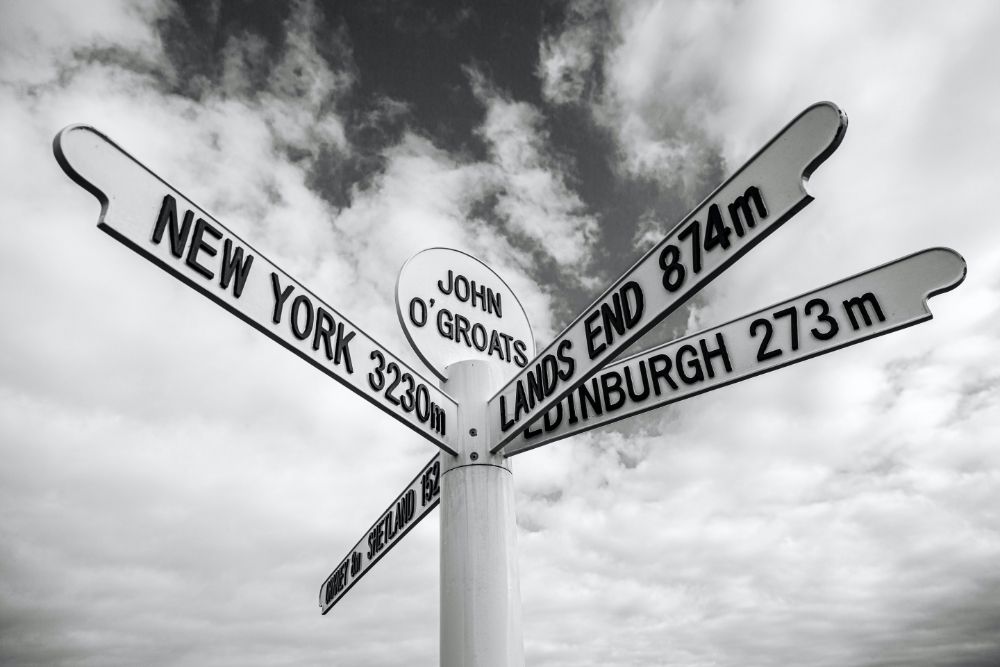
(531, 432)
(592, 397)
(450, 283)
(741, 207)
(630, 385)
(824, 316)
(536, 387)
(479, 329)
(280, 296)
(633, 306)
(552, 423)
(418, 311)
(341, 351)
(861, 304)
(719, 351)
(614, 397)
(550, 374)
(592, 333)
(494, 304)
(495, 345)
(690, 364)
(301, 300)
(410, 503)
(233, 265)
(793, 318)
(506, 345)
(663, 372)
(571, 404)
(462, 329)
(444, 323)
(763, 354)
(393, 369)
(613, 317)
(391, 521)
(422, 403)
(198, 244)
(480, 292)
(461, 288)
(168, 218)
(617, 317)
(324, 327)
(520, 401)
(520, 352)
(569, 363)
(505, 422)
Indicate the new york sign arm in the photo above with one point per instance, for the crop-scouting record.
(154, 219)
(764, 193)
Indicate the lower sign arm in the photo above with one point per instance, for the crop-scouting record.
(415, 502)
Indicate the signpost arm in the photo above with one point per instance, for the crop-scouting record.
(876, 302)
(410, 507)
(146, 214)
(480, 590)
(767, 191)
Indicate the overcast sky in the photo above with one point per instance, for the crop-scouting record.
(174, 487)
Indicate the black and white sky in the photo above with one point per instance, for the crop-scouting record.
(174, 487)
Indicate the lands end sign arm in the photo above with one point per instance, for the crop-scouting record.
(415, 502)
(765, 192)
(152, 218)
(879, 301)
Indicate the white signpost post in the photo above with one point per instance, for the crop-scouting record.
(497, 398)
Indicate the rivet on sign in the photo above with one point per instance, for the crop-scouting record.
(473, 456)
(473, 432)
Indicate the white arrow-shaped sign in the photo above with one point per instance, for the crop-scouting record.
(879, 301)
(149, 216)
(768, 190)
(417, 500)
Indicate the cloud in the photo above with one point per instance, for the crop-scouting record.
(160, 455)
(568, 60)
(819, 514)
(533, 197)
(611, 60)
(175, 487)
(126, 382)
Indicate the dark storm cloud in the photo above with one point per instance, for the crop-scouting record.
(404, 68)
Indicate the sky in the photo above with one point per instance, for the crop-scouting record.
(175, 487)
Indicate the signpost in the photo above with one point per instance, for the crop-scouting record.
(453, 307)
(466, 324)
(752, 203)
(879, 301)
(415, 502)
(152, 218)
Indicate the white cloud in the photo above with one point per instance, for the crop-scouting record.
(533, 196)
(838, 511)
(175, 486)
(566, 59)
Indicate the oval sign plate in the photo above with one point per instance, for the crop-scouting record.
(454, 308)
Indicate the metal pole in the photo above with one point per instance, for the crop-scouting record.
(480, 589)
